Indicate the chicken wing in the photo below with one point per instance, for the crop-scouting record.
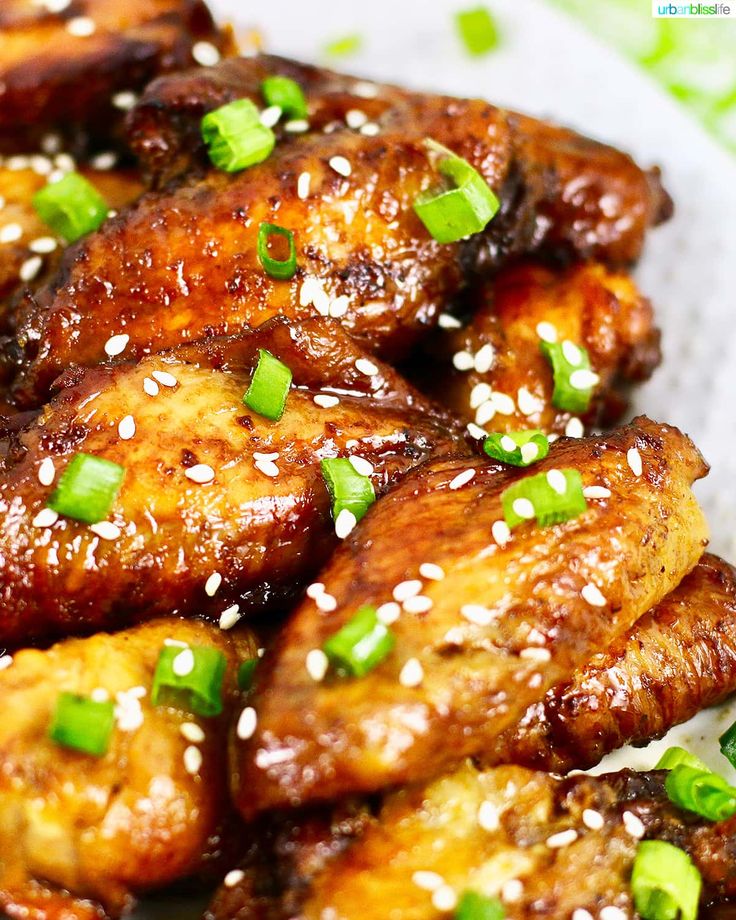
(362, 253)
(62, 71)
(509, 387)
(220, 509)
(510, 617)
(142, 815)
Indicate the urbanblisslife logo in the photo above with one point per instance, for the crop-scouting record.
(693, 10)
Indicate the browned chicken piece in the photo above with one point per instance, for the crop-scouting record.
(511, 616)
(211, 489)
(62, 71)
(140, 816)
(191, 249)
(511, 388)
(544, 846)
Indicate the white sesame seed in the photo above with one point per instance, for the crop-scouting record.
(233, 878)
(592, 819)
(18, 162)
(267, 467)
(412, 674)
(556, 841)
(633, 824)
(546, 332)
(317, 664)
(5, 661)
(200, 473)
(529, 452)
(165, 378)
(370, 129)
(448, 321)
(339, 306)
(581, 914)
(503, 403)
(192, 760)
(571, 353)
(557, 481)
(192, 732)
(212, 584)
(106, 530)
(406, 589)
(183, 664)
(205, 53)
(302, 185)
(478, 614)
(150, 387)
(65, 162)
(633, 458)
(361, 466)
(611, 912)
(583, 379)
(296, 126)
(501, 532)
(326, 602)
(512, 890)
(270, 116)
(315, 589)
(431, 571)
(388, 613)
(444, 899)
(43, 245)
(419, 604)
(485, 412)
(126, 428)
(427, 881)
(124, 100)
(104, 161)
(30, 268)
(247, 723)
(463, 361)
(484, 358)
(46, 517)
(574, 428)
(596, 492)
(10, 233)
(591, 594)
(116, 345)
(508, 444)
(366, 367)
(46, 471)
(479, 394)
(51, 143)
(475, 431)
(355, 118)
(461, 479)
(488, 818)
(100, 695)
(259, 455)
(523, 508)
(56, 176)
(81, 26)
(365, 89)
(528, 403)
(229, 617)
(325, 401)
(341, 165)
(345, 523)
(535, 654)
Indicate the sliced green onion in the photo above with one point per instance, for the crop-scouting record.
(675, 756)
(551, 498)
(286, 94)
(727, 742)
(246, 673)
(665, 882)
(360, 645)
(189, 678)
(269, 387)
(466, 207)
(87, 488)
(702, 791)
(519, 448)
(235, 137)
(72, 206)
(477, 30)
(82, 724)
(342, 47)
(474, 906)
(283, 269)
(347, 487)
(574, 381)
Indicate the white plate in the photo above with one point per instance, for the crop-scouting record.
(549, 66)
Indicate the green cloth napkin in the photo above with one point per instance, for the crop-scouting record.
(695, 59)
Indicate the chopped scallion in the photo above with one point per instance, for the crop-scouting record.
(474, 906)
(235, 137)
(727, 742)
(701, 791)
(675, 756)
(347, 487)
(246, 673)
(360, 645)
(282, 269)
(574, 381)
(342, 47)
(72, 207)
(83, 724)
(665, 882)
(477, 30)
(269, 387)
(286, 94)
(189, 678)
(519, 448)
(551, 498)
(87, 488)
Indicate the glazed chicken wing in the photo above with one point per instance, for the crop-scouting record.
(504, 617)
(347, 193)
(145, 813)
(62, 71)
(220, 509)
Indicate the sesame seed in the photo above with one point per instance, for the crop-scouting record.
(150, 387)
(581, 914)
(444, 898)
(233, 878)
(546, 332)
(529, 452)
(205, 53)
(485, 412)
(345, 523)
(247, 723)
(183, 664)
(5, 661)
(100, 695)
(523, 508)
(326, 602)
(17, 163)
(259, 455)
(501, 532)
(557, 481)
(341, 165)
(312, 292)
(431, 571)
(116, 345)
(479, 394)
(355, 118)
(106, 530)
(43, 245)
(388, 613)
(508, 444)
(528, 403)
(503, 403)
(229, 617)
(591, 594)
(212, 584)
(126, 428)
(461, 479)
(370, 129)
(488, 817)
(535, 654)
(367, 367)
(427, 881)
(30, 268)
(633, 458)
(556, 841)
(583, 379)
(448, 321)
(633, 824)
(475, 431)
(512, 890)
(419, 604)
(571, 353)
(361, 465)
(104, 161)
(315, 589)
(51, 143)
(192, 760)
(10, 233)
(406, 589)
(124, 100)
(611, 912)
(65, 162)
(593, 819)
(484, 358)
(267, 467)
(574, 428)
(412, 674)
(324, 401)
(192, 732)
(165, 378)
(302, 185)
(296, 126)
(200, 473)
(339, 306)
(175, 643)
(46, 471)
(46, 517)
(596, 492)
(365, 89)
(270, 116)
(477, 614)
(317, 664)
(81, 26)
(463, 361)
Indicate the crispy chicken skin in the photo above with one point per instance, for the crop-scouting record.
(191, 248)
(323, 740)
(264, 530)
(436, 829)
(55, 80)
(133, 819)
(586, 304)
